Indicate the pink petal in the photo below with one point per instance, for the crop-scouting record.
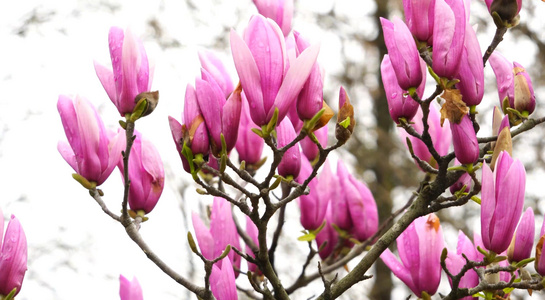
(106, 77)
(294, 80)
(249, 77)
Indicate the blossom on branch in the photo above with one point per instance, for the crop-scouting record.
(419, 247)
(261, 63)
(92, 151)
(13, 256)
(502, 200)
(146, 175)
(131, 72)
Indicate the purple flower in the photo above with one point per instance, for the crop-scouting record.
(262, 65)
(222, 232)
(466, 146)
(419, 247)
(403, 53)
(130, 76)
(249, 145)
(471, 73)
(400, 104)
(222, 280)
(502, 199)
(220, 116)
(448, 37)
(281, 11)
(13, 256)
(419, 15)
(311, 98)
(146, 174)
(523, 239)
(290, 165)
(130, 290)
(455, 262)
(91, 151)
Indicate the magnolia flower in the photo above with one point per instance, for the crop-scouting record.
(222, 280)
(403, 53)
(262, 65)
(419, 247)
(13, 256)
(91, 151)
(130, 290)
(448, 37)
(523, 239)
(455, 263)
(146, 175)
(222, 232)
(131, 73)
(419, 16)
(290, 165)
(281, 11)
(502, 199)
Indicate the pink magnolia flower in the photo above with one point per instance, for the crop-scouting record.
(220, 116)
(523, 239)
(419, 247)
(261, 63)
(91, 151)
(146, 174)
(471, 73)
(130, 290)
(13, 256)
(314, 205)
(281, 11)
(214, 66)
(466, 146)
(403, 54)
(354, 208)
(290, 165)
(440, 136)
(222, 280)
(131, 73)
(502, 199)
(419, 16)
(400, 104)
(311, 98)
(448, 37)
(514, 83)
(249, 145)
(455, 262)
(193, 132)
(222, 232)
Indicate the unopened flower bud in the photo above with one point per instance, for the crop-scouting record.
(345, 118)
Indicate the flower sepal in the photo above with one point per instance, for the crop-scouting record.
(9, 296)
(84, 182)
